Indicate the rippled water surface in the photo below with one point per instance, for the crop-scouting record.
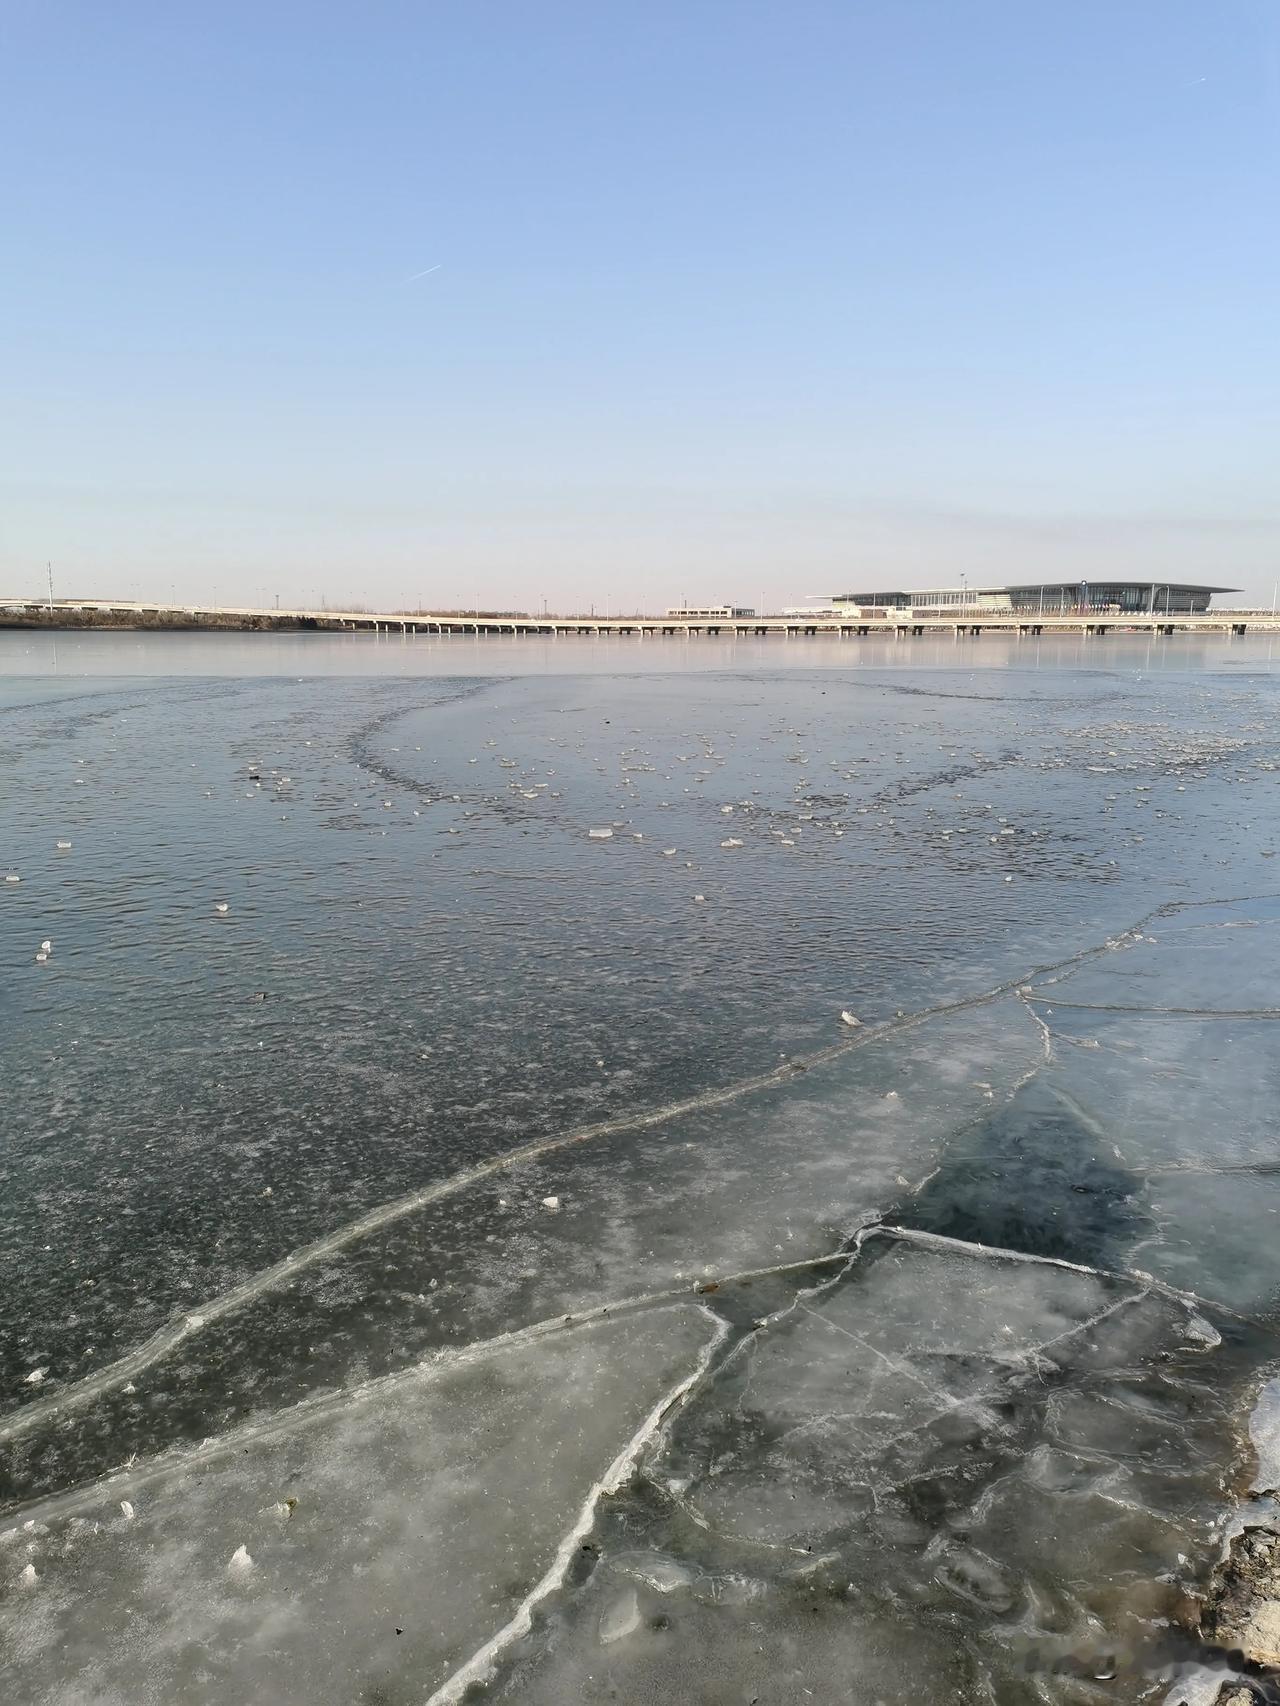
(451, 1240)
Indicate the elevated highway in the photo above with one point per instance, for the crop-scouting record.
(124, 613)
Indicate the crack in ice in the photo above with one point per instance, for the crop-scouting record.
(183, 1327)
(481, 1664)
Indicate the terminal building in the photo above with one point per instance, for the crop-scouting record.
(1136, 598)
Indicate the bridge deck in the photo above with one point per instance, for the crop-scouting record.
(81, 612)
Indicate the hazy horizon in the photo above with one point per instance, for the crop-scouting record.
(481, 305)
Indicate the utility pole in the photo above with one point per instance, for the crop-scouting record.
(49, 566)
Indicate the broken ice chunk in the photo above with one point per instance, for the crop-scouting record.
(620, 1618)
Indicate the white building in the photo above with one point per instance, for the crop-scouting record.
(1137, 598)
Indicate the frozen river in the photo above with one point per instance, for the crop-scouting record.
(452, 1245)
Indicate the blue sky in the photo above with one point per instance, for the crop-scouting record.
(731, 300)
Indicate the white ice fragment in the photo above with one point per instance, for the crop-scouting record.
(126, 1507)
(1202, 1332)
(668, 852)
(620, 1619)
(1264, 1434)
(221, 906)
(63, 846)
(664, 1574)
(552, 1203)
(46, 947)
(241, 1563)
(12, 877)
(700, 897)
(35, 1377)
(600, 834)
(731, 842)
(848, 1018)
(28, 1578)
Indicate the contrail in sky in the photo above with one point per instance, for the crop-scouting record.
(417, 275)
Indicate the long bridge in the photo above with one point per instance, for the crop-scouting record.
(899, 624)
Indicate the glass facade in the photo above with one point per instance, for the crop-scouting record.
(1145, 598)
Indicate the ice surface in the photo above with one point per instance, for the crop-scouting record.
(363, 1549)
(1264, 1434)
(1228, 966)
(946, 1476)
(1183, 1100)
(273, 1157)
(777, 1174)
